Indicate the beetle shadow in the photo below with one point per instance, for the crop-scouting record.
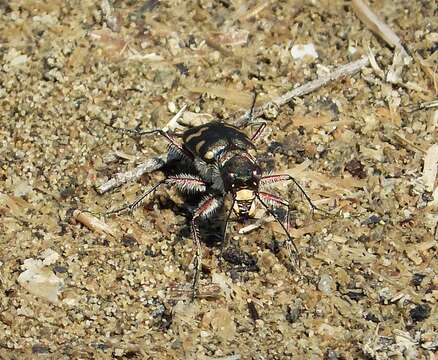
(211, 230)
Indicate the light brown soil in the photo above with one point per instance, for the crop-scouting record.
(367, 285)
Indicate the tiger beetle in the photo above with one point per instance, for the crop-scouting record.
(220, 155)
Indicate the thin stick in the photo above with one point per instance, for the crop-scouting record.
(254, 11)
(423, 106)
(93, 223)
(173, 124)
(377, 26)
(342, 71)
(132, 175)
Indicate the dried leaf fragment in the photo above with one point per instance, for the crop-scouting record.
(40, 280)
(395, 71)
(15, 205)
(195, 119)
(430, 168)
(231, 38)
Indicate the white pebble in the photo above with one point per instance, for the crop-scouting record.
(300, 51)
(325, 284)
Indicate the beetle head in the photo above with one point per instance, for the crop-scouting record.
(240, 172)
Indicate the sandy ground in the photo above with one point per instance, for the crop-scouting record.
(367, 282)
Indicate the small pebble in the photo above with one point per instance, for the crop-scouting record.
(325, 284)
(417, 279)
(39, 349)
(420, 313)
(300, 51)
(172, 107)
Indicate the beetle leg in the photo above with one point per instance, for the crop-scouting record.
(187, 183)
(198, 257)
(184, 182)
(204, 210)
(267, 199)
(132, 206)
(276, 201)
(251, 111)
(224, 232)
(259, 131)
(263, 124)
(271, 179)
(172, 142)
(174, 146)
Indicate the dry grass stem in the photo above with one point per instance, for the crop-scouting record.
(132, 175)
(377, 26)
(430, 168)
(93, 223)
(340, 72)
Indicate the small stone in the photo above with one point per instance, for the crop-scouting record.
(356, 168)
(298, 52)
(172, 107)
(293, 313)
(39, 349)
(325, 284)
(417, 279)
(331, 355)
(119, 352)
(129, 240)
(22, 188)
(253, 313)
(420, 313)
(49, 257)
(39, 280)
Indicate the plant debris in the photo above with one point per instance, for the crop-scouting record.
(354, 123)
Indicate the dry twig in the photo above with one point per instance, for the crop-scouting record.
(377, 26)
(253, 12)
(340, 72)
(423, 106)
(132, 175)
(93, 223)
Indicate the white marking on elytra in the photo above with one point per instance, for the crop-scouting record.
(199, 145)
(209, 155)
(196, 134)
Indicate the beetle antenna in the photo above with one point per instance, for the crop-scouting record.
(227, 220)
(251, 111)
